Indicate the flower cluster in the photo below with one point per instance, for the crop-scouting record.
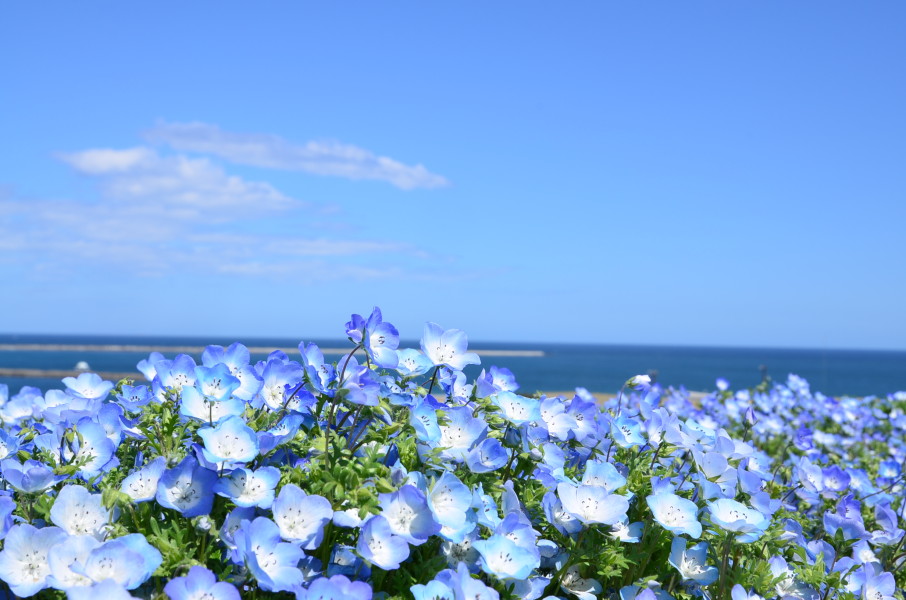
(388, 474)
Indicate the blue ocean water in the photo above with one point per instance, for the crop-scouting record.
(563, 367)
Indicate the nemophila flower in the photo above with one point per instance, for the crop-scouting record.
(630, 533)
(246, 487)
(337, 587)
(301, 517)
(279, 380)
(358, 386)
(117, 561)
(92, 447)
(141, 485)
(344, 561)
(188, 488)
(133, 398)
(559, 423)
(319, 374)
(516, 409)
(462, 550)
(889, 532)
(279, 434)
(271, 561)
(173, 375)
(462, 431)
(412, 363)
(229, 442)
(581, 587)
(733, 516)
(449, 499)
(739, 593)
(379, 338)
(67, 562)
(378, 545)
(236, 358)
(603, 474)
(423, 417)
(627, 432)
(675, 514)
(408, 515)
(878, 584)
(485, 507)
(488, 455)
(89, 386)
(7, 506)
(497, 379)
(433, 590)
(692, 563)
(788, 584)
(23, 561)
(195, 405)
(592, 504)
(29, 477)
(200, 584)
(502, 558)
(215, 381)
(447, 348)
(464, 586)
(79, 512)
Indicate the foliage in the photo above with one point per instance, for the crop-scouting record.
(395, 477)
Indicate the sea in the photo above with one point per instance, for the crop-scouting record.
(537, 367)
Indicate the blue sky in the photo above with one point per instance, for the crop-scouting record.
(679, 173)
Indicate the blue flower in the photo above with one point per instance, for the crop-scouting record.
(88, 385)
(488, 455)
(200, 583)
(592, 504)
(141, 485)
(462, 431)
(337, 587)
(380, 340)
(378, 545)
(412, 363)
(518, 410)
(736, 517)
(24, 560)
(301, 517)
(188, 488)
(79, 512)
(33, 476)
(447, 348)
(196, 405)
(464, 586)
(692, 562)
(448, 500)
(408, 515)
(433, 590)
(230, 442)
(675, 514)
(246, 487)
(271, 561)
(502, 558)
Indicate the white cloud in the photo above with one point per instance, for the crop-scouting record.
(161, 215)
(187, 187)
(271, 151)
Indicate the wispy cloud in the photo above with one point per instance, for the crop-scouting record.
(158, 215)
(271, 151)
(186, 187)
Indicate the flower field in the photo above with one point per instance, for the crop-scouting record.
(389, 475)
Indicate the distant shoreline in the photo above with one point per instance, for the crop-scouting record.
(200, 349)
